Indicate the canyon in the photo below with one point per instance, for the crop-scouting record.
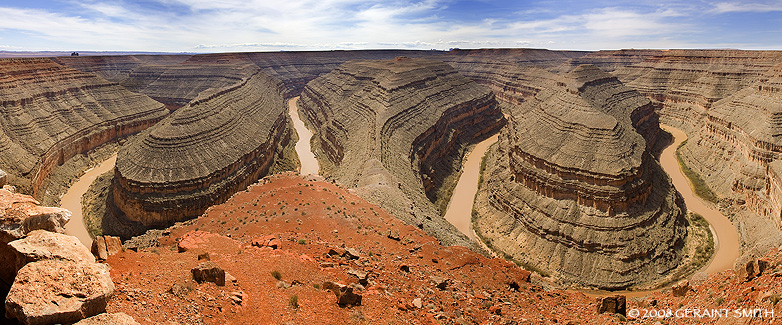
(374, 120)
(220, 142)
(587, 202)
(572, 190)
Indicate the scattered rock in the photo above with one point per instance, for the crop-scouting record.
(393, 234)
(345, 294)
(404, 267)
(108, 319)
(237, 297)
(270, 241)
(209, 272)
(59, 291)
(338, 251)
(230, 278)
(204, 257)
(614, 304)
(418, 303)
(351, 254)
(751, 269)
(680, 289)
(363, 277)
(440, 282)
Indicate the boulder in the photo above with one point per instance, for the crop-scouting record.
(751, 269)
(19, 215)
(614, 304)
(363, 277)
(104, 246)
(44, 245)
(209, 272)
(345, 294)
(680, 289)
(109, 319)
(59, 291)
(270, 241)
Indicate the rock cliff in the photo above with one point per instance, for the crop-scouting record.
(395, 129)
(217, 144)
(573, 190)
(726, 101)
(49, 113)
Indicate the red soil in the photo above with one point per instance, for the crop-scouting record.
(155, 285)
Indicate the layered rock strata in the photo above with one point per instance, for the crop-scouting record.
(738, 147)
(50, 113)
(573, 190)
(204, 152)
(394, 129)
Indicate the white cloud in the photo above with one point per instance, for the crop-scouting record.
(255, 25)
(725, 7)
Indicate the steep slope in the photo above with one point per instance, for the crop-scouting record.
(49, 113)
(285, 237)
(572, 188)
(395, 129)
(219, 143)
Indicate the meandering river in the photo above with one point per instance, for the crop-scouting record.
(309, 165)
(459, 210)
(726, 237)
(72, 200)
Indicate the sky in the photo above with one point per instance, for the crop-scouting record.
(291, 25)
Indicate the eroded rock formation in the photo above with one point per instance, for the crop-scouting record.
(572, 188)
(727, 101)
(395, 129)
(204, 152)
(49, 113)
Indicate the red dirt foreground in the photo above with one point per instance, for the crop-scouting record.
(289, 249)
(327, 238)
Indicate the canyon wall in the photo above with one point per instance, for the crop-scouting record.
(394, 129)
(50, 113)
(727, 101)
(220, 142)
(572, 188)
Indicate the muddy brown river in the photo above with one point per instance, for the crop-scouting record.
(72, 200)
(459, 210)
(309, 165)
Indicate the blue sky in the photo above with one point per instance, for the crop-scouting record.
(260, 25)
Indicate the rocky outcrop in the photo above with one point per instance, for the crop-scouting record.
(59, 291)
(20, 215)
(572, 188)
(395, 129)
(51, 113)
(103, 246)
(199, 156)
(45, 245)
